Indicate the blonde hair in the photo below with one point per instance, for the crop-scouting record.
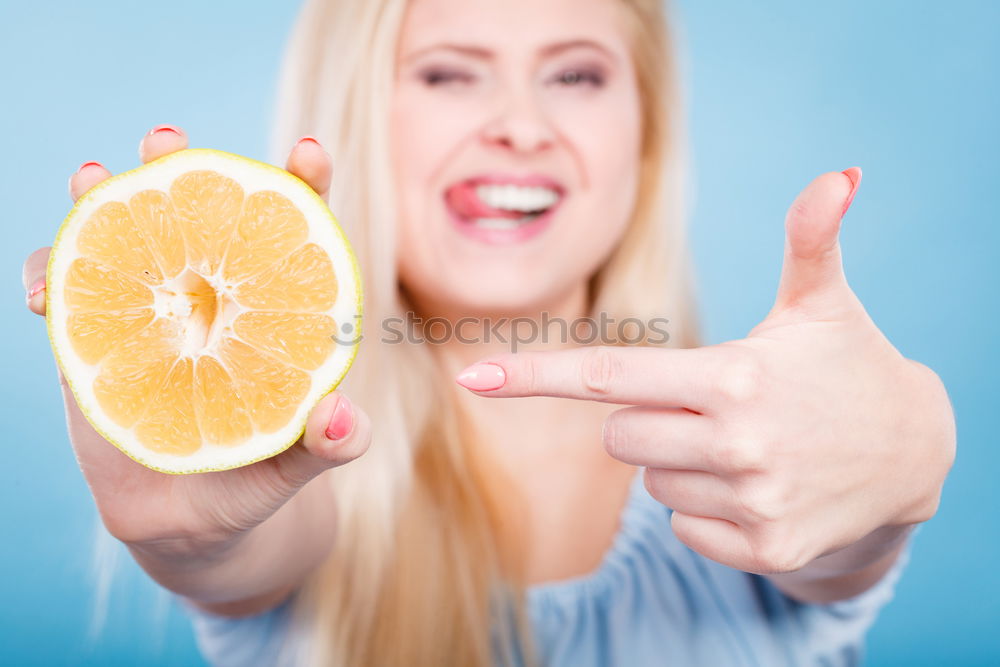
(426, 569)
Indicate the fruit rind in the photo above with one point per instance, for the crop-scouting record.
(198, 158)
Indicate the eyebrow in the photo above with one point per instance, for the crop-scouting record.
(486, 54)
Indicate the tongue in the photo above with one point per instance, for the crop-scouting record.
(464, 200)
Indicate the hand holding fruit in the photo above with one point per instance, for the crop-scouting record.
(163, 517)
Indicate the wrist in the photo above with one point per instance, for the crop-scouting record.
(855, 557)
(848, 571)
(245, 566)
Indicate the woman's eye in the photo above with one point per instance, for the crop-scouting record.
(577, 77)
(437, 77)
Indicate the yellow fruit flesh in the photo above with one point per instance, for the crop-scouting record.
(301, 339)
(302, 282)
(170, 425)
(203, 309)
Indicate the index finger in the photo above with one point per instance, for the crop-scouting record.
(626, 375)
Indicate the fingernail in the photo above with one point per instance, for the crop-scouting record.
(89, 164)
(482, 377)
(342, 420)
(165, 128)
(35, 289)
(308, 138)
(854, 174)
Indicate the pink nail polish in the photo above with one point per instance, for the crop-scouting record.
(36, 288)
(165, 128)
(89, 164)
(342, 421)
(854, 174)
(482, 377)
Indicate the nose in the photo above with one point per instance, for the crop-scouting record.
(520, 126)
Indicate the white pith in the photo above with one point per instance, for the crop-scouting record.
(169, 302)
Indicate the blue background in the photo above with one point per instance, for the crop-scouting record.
(777, 94)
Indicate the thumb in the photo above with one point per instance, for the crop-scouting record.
(337, 432)
(812, 268)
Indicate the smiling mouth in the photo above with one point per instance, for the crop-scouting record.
(502, 205)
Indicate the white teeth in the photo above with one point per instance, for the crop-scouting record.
(516, 197)
(502, 223)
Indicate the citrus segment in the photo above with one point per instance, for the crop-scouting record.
(222, 414)
(95, 334)
(300, 339)
(135, 371)
(154, 216)
(112, 238)
(193, 306)
(268, 230)
(270, 388)
(207, 205)
(170, 425)
(303, 282)
(92, 287)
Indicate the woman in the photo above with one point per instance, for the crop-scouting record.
(752, 500)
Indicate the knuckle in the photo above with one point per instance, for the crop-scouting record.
(740, 380)
(760, 503)
(524, 368)
(600, 370)
(772, 554)
(741, 454)
(653, 480)
(611, 434)
(799, 210)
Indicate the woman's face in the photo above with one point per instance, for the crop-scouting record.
(516, 144)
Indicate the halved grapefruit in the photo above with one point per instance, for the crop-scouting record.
(199, 306)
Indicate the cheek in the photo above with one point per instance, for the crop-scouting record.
(609, 162)
(415, 148)
(426, 129)
(425, 133)
(606, 137)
